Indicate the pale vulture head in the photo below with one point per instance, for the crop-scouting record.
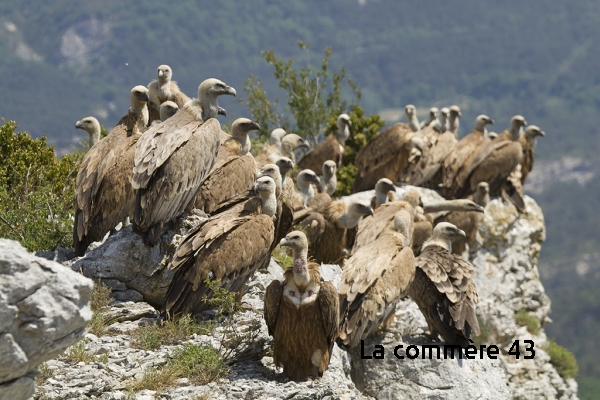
(164, 73)
(413, 198)
(481, 121)
(445, 113)
(208, 92)
(344, 124)
(272, 171)
(482, 194)
(285, 165)
(167, 110)
(516, 123)
(329, 169)
(242, 127)
(384, 185)
(296, 240)
(139, 97)
(410, 110)
(290, 143)
(433, 113)
(455, 111)
(532, 131)
(276, 136)
(92, 127)
(306, 177)
(483, 188)
(355, 212)
(447, 231)
(265, 184)
(267, 191)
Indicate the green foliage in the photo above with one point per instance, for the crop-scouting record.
(523, 318)
(36, 191)
(150, 337)
(563, 360)
(78, 353)
(43, 374)
(282, 257)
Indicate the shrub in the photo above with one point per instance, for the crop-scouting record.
(523, 318)
(169, 332)
(563, 360)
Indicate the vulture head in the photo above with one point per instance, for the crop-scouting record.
(208, 92)
(402, 223)
(384, 185)
(242, 127)
(413, 198)
(276, 136)
(410, 110)
(455, 111)
(359, 210)
(411, 114)
(481, 121)
(292, 142)
(271, 171)
(164, 74)
(343, 124)
(285, 165)
(532, 131)
(329, 169)
(296, 240)
(167, 110)
(92, 127)
(492, 135)
(266, 188)
(139, 97)
(448, 231)
(306, 177)
(483, 188)
(433, 113)
(516, 123)
(445, 113)
(482, 194)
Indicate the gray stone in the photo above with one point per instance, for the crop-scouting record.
(19, 389)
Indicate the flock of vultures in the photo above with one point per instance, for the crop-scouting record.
(168, 155)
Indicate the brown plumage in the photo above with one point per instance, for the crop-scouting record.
(228, 247)
(302, 315)
(164, 89)
(172, 160)
(332, 148)
(234, 170)
(456, 163)
(326, 229)
(467, 218)
(444, 290)
(494, 162)
(373, 281)
(103, 194)
(289, 144)
(527, 141)
(423, 229)
(385, 156)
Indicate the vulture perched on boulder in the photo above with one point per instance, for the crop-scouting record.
(164, 89)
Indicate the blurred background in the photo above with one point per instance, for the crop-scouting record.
(61, 61)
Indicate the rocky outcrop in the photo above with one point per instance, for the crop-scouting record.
(44, 308)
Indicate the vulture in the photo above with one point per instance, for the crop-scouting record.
(413, 121)
(289, 144)
(433, 117)
(328, 181)
(327, 226)
(370, 228)
(441, 125)
(423, 228)
(527, 141)
(385, 156)
(494, 162)
(164, 89)
(103, 193)
(456, 164)
(466, 216)
(374, 279)
(454, 120)
(302, 315)
(287, 184)
(172, 160)
(382, 192)
(305, 180)
(92, 127)
(443, 288)
(422, 169)
(332, 148)
(234, 170)
(227, 247)
(276, 136)
(167, 110)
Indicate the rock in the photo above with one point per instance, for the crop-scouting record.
(44, 308)
(135, 271)
(60, 255)
(128, 311)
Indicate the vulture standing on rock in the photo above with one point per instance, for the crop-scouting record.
(385, 156)
(441, 125)
(443, 288)
(326, 228)
(433, 117)
(302, 315)
(227, 247)
(456, 164)
(413, 121)
(289, 144)
(527, 141)
(172, 160)
(164, 89)
(103, 194)
(373, 281)
(332, 148)
(233, 172)
(494, 162)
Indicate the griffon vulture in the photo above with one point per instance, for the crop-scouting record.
(164, 89)
(286, 165)
(172, 160)
(433, 117)
(456, 164)
(441, 125)
(328, 181)
(332, 148)
(92, 127)
(103, 194)
(276, 136)
(289, 144)
(382, 192)
(527, 141)
(234, 170)
(302, 315)
(374, 279)
(494, 162)
(227, 247)
(443, 288)
(413, 121)
(305, 180)
(454, 120)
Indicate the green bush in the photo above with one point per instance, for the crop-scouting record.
(563, 360)
(37, 191)
(523, 318)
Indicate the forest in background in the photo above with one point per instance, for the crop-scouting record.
(65, 60)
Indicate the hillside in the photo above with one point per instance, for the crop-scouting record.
(65, 60)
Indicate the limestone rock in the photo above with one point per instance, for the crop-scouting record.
(44, 308)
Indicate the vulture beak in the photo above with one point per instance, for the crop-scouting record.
(222, 111)
(230, 90)
(146, 97)
(284, 242)
(459, 114)
(542, 133)
(305, 145)
(161, 74)
(460, 232)
(78, 125)
(370, 211)
(255, 126)
(524, 123)
(477, 208)
(349, 123)
(491, 121)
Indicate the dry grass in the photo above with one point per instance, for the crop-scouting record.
(169, 332)
(100, 299)
(44, 373)
(282, 258)
(78, 353)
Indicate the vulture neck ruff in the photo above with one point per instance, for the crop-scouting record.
(300, 268)
(438, 241)
(380, 198)
(308, 192)
(413, 122)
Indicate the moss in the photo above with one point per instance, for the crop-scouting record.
(523, 318)
(563, 360)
